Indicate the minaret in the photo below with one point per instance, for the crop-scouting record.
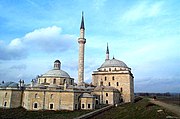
(81, 42)
(107, 53)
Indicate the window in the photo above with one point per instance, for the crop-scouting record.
(54, 81)
(115, 69)
(51, 96)
(104, 69)
(106, 101)
(113, 78)
(97, 102)
(109, 84)
(106, 94)
(76, 106)
(35, 105)
(5, 95)
(44, 80)
(36, 95)
(82, 105)
(121, 90)
(109, 69)
(89, 105)
(5, 104)
(117, 83)
(105, 78)
(51, 106)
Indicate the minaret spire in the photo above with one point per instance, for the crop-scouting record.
(107, 52)
(81, 42)
(82, 21)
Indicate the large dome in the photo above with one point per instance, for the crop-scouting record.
(113, 63)
(56, 73)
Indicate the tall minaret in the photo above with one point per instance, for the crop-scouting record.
(107, 53)
(81, 42)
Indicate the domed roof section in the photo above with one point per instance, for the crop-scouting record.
(13, 85)
(56, 73)
(113, 63)
(57, 61)
(9, 84)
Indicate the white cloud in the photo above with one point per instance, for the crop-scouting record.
(48, 40)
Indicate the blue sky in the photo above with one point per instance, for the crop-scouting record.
(145, 34)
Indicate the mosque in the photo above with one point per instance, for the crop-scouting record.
(112, 83)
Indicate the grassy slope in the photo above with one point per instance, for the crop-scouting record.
(20, 113)
(142, 109)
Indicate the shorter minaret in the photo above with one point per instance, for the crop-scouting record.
(107, 53)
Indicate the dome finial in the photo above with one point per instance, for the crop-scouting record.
(107, 52)
(113, 57)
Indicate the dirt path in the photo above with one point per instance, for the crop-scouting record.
(172, 108)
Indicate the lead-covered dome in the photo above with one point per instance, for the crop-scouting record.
(56, 73)
(113, 63)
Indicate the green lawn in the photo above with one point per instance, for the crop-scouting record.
(20, 113)
(142, 109)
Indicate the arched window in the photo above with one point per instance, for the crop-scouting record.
(89, 105)
(121, 90)
(113, 78)
(105, 78)
(36, 95)
(5, 95)
(35, 105)
(109, 69)
(106, 101)
(106, 94)
(51, 106)
(54, 81)
(109, 84)
(115, 69)
(82, 106)
(117, 83)
(45, 80)
(51, 96)
(5, 104)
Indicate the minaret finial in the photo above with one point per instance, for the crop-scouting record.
(82, 21)
(107, 52)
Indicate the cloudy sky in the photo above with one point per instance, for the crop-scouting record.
(145, 34)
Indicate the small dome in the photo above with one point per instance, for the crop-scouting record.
(113, 63)
(57, 61)
(13, 85)
(56, 73)
(86, 95)
(4, 85)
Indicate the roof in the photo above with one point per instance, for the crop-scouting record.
(9, 84)
(56, 73)
(57, 61)
(113, 63)
(86, 95)
(105, 88)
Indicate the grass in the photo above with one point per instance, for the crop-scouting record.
(21, 113)
(142, 109)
